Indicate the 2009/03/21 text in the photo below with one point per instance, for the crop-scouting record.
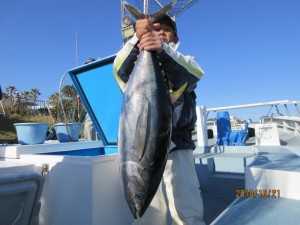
(254, 193)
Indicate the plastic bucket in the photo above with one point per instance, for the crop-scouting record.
(31, 133)
(67, 132)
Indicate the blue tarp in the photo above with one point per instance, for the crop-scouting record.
(227, 137)
(223, 128)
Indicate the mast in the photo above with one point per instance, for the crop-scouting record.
(76, 49)
(145, 7)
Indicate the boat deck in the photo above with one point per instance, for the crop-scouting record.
(261, 210)
(225, 171)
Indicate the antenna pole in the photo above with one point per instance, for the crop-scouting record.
(122, 9)
(145, 7)
(76, 49)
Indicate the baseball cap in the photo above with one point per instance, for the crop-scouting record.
(167, 20)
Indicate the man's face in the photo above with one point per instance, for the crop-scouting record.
(166, 33)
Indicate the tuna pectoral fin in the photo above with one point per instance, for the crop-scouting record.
(122, 85)
(176, 94)
(142, 129)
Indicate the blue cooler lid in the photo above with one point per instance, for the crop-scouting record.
(101, 96)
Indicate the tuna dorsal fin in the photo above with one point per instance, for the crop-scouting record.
(122, 85)
(142, 128)
(139, 15)
(176, 94)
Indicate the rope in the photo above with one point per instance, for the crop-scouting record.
(20, 213)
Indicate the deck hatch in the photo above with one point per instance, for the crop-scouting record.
(100, 95)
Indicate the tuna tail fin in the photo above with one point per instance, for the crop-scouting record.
(133, 11)
(176, 94)
(162, 11)
(139, 15)
(122, 85)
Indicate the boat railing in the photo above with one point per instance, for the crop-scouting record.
(291, 124)
(272, 104)
(286, 120)
(289, 121)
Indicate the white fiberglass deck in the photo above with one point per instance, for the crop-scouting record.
(271, 179)
(82, 183)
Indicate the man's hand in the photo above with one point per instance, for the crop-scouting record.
(142, 27)
(149, 40)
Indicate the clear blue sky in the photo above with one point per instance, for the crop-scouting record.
(249, 49)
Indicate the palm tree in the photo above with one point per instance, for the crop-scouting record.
(9, 91)
(25, 95)
(53, 99)
(69, 97)
(69, 91)
(34, 94)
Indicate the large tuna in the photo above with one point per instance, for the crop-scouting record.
(144, 130)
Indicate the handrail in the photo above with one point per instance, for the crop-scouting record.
(282, 102)
(273, 103)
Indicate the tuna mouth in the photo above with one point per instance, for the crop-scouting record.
(140, 202)
(139, 213)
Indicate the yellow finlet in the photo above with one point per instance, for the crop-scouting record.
(176, 94)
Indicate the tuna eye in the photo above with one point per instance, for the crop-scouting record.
(140, 197)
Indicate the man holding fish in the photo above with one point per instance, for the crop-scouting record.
(179, 178)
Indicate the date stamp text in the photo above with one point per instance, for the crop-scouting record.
(257, 193)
